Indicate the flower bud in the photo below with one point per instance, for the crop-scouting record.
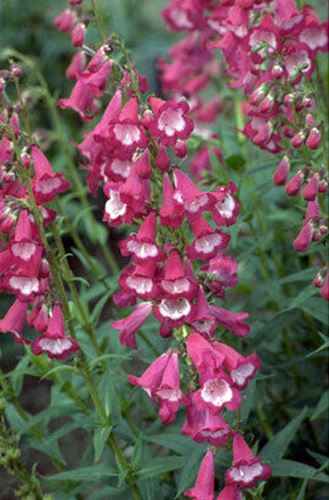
(78, 35)
(310, 122)
(298, 139)
(294, 185)
(277, 71)
(310, 191)
(314, 138)
(16, 71)
(280, 176)
(304, 238)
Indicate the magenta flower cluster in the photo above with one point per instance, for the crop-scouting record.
(177, 265)
(270, 51)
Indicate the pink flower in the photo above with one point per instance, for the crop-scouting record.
(116, 211)
(247, 469)
(230, 493)
(170, 123)
(222, 272)
(175, 282)
(171, 212)
(39, 317)
(76, 66)
(207, 240)
(129, 326)
(161, 382)
(54, 341)
(142, 246)
(81, 100)
(226, 210)
(190, 197)
(140, 280)
(127, 133)
(46, 183)
(203, 320)
(232, 321)
(174, 311)
(24, 244)
(204, 485)
(14, 320)
(241, 369)
(203, 424)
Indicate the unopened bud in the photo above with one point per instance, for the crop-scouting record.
(314, 138)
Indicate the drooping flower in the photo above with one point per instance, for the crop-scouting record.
(129, 326)
(204, 485)
(54, 341)
(247, 470)
(46, 183)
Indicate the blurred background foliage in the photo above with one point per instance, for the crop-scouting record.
(289, 320)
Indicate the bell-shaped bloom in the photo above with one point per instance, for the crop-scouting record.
(171, 212)
(23, 280)
(232, 321)
(129, 326)
(76, 66)
(222, 273)
(135, 191)
(24, 244)
(247, 469)
(174, 311)
(127, 133)
(203, 321)
(46, 183)
(203, 424)
(207, 240)
(192, 198)
(205, 482)
(81, 100)
(141, 246)
(39, 316)
(217, 388)
(226, 209)
(54, 342)
(206, 359)
(280, 176)
(116, 212)
(175, 282)
(140, 280)
(241, 369)
(230, 493)
(170, 122)
(13, 321)
(161, 382)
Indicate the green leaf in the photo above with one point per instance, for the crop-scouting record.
(100, 437)
(322, 405)
(190, 470)
(175, 442)
(290, 468)
(162, 465)
(318, 308)
(97, 311)
(302, 491)
(88, 474)
(277, 446)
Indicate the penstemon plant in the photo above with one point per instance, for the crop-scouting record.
(163, 315)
